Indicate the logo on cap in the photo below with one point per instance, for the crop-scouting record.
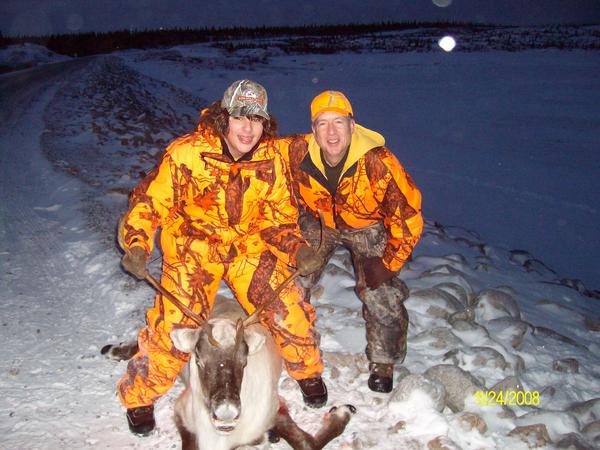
(245, 98)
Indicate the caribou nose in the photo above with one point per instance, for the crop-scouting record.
(226, 413)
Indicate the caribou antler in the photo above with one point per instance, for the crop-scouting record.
(255, 316)
(239, 333)
(207, 328)
(121, 232)
(154, 282)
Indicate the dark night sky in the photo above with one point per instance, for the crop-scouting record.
(37, 17)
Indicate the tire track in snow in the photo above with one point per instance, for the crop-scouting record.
(30, 232)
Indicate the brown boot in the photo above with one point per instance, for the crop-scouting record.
(381, 378)
(141, 420)
(314, 391)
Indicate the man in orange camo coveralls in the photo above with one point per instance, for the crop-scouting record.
(222, 198)
(372, 207)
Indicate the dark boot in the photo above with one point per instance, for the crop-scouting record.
(314, 391)
(381, 378)
(141, 420)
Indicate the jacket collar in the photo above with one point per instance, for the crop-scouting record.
(245, 157)
(363, 140)
(214, 144)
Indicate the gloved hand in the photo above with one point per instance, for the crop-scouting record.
(331, 235)
(375, 272)
(135, 262)
(308, 260)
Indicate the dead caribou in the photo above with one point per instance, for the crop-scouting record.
(231, 386)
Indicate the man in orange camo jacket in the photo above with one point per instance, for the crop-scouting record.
(372, 207)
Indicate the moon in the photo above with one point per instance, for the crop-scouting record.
(447, 43)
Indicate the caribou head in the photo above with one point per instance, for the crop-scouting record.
(218, 355)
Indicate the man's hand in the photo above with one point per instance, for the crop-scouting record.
(308, 260)
(327, 236)
(331, 235)
(375, 272)
(135, 262)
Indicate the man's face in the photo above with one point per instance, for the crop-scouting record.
(333, 133)
(242, 134)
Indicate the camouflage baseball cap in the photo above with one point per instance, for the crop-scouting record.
(245, 98)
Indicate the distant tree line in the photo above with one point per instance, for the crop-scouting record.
(385, 36)
(83, 44)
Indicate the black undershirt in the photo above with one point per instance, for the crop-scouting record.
(244, 157)
(333, 173)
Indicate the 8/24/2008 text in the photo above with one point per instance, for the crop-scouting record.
(507, 398)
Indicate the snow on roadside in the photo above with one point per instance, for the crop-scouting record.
(22, 56)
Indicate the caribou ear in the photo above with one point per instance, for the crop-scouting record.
(255, 341)
(185, 339)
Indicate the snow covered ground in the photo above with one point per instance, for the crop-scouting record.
(495, 140)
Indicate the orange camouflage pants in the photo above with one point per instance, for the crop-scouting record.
(190, 275)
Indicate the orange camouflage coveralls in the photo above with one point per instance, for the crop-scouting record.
(376, 207)
(220, 219)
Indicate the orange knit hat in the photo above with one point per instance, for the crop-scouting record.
(330, 101)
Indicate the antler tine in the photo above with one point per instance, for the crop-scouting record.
(254, 317)
(322, 221)
(184, 308)
(120, 232)
(207, 328)
(239, 332)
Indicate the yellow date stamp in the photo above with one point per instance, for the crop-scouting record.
(507, 398)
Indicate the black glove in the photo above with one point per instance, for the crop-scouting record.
(308, 260)
(375, 272)
(135, 262)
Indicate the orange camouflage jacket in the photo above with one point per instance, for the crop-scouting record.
(198, 191)
(373, 187)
